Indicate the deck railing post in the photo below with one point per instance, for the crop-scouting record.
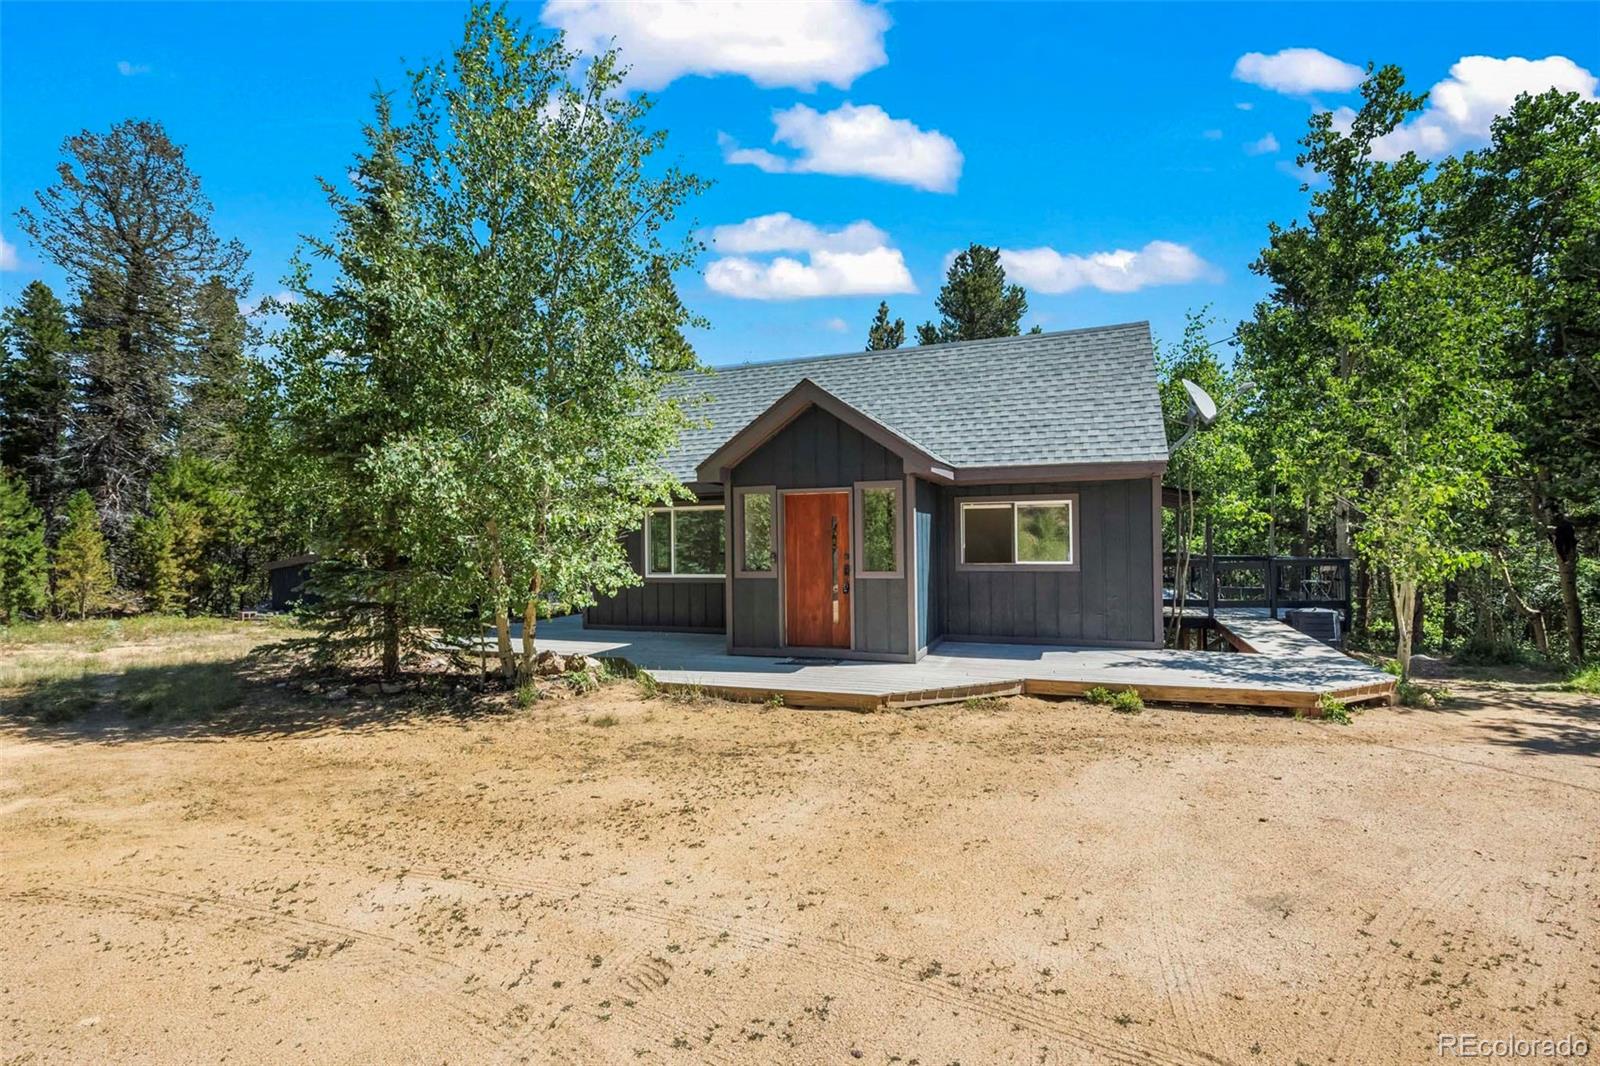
(1272, 586)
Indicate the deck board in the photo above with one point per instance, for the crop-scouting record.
(1286, 669)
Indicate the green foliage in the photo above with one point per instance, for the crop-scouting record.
(219, 385)
(24, 565)
(528, 694)
(83, 577)
(127, 222)
(1585, 680)
(1123, 701)
(36, 393)
(1128, 701)
(156, 551)
(883, 334)
(975, 302)
(1412, 694)
(1331, 709)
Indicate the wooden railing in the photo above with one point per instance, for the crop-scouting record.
(1276, 582)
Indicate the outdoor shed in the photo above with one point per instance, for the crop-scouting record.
(869, 505)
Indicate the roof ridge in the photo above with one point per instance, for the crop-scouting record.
(916, 348)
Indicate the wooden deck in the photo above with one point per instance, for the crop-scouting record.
(1282, 668)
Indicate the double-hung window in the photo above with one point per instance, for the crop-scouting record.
(1019, 533)
(684, 541)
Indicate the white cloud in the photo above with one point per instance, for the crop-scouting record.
(1462, 106)
(853, 260)
(1297, 71)
(1242, 106)
(9, 259)
(1157, 263)
(782, 232)
(794, 44)
(836, 325)
(130, 70)
(1265, 146)
(856, 141)
(1211, 135)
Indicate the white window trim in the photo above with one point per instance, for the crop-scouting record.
(672, 543)
(1068, 500)
(771, 492)
(860, 555)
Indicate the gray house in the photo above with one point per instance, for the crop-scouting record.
(869, 505)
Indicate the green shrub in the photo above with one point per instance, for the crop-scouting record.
(1128, 701)
(1333, 710)
(527, 695)
(582, 682)
(1585, 680)
(1412, 694)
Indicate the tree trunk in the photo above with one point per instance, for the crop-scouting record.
(1403, 598)
(1417, 619)
(1363, 610)
(1452, 596)
(502, 617)
(390, 625)
(530, 623)
(1565, 539)
(1535, 617)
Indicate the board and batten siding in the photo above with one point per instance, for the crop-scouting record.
(692, 604)
(1109, 599)
(817, 451)
(924, 518)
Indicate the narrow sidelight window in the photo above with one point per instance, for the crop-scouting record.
(880, 530)
(758, 542)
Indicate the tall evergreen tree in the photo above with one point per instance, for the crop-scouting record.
(128, 223)
(883, 334)
(24, 564)
(36, 394)
(353, 373)
(83, 576)
(219, 374)
(976, 302)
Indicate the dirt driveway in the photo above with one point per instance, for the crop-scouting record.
(622, 880)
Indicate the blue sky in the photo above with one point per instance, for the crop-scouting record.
(1128, 158)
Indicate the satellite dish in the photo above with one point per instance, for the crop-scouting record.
(1200, 402)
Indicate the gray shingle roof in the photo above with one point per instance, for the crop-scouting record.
(1076, 396)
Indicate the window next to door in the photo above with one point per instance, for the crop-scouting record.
(684, 542)
(879, 526)
(1019, 533)
(756, 532)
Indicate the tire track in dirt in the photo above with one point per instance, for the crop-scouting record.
(1370, 975)
(271, 924)
(1180, 979)
(1019, 1009)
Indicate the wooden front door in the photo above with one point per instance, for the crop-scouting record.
(816, 569)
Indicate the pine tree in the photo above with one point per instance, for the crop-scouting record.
(82, 571)
(218, 334)
(883, 334)
(36, 394)
(156, 543)
(24, 565)
(975, 302)
(127, 222)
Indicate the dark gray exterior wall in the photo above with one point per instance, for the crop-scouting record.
(924, 516)
(1110, 599)
(674, 603)
(817, 451)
